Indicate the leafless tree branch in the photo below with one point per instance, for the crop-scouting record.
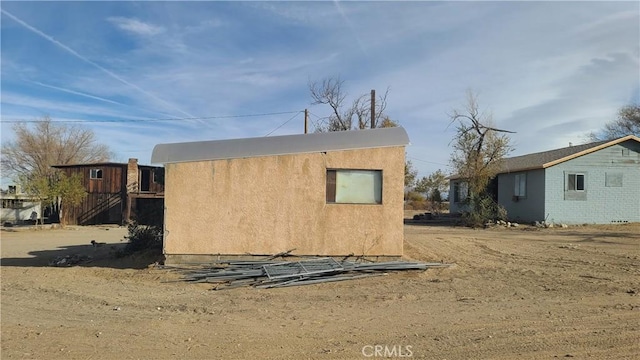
(35, 149)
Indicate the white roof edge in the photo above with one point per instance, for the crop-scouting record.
(278, 145)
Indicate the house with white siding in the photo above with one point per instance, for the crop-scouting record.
(17, 207)
(596, 183)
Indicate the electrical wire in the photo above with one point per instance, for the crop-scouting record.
(430, 162)
(283, 124)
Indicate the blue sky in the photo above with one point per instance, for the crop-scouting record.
(550, 71)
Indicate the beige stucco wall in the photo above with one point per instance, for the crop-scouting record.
(266, 205)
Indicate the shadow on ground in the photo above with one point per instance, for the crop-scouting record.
(447, 220)
(603, 237)
(86, 256)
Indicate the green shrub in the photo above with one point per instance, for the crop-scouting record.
(142, 238)
(482, 210)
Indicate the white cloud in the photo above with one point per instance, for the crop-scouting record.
(550, 71)
(136, 26)
(204, 26)
(94, 64)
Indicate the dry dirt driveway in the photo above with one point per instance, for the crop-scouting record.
(513, 293)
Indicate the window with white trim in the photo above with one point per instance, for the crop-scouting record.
(575, 185)
(575, 182)
(95, 174)
(520, 185)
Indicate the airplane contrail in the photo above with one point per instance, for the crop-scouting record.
(350, 24)
(106, 71)
(79, 93)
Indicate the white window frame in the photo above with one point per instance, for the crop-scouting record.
(576, 175)
(520, 185)
(95, 174)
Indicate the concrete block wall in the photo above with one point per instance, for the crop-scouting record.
(602, 204)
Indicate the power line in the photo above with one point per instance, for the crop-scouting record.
(315, 122)
(155, 120)
(430, 162)
(315, 115)
(283, 124)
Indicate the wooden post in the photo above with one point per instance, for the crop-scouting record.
(306, 119)
(373, 108)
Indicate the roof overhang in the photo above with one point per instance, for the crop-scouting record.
(590, 150)
(562, 159)
(278, 145)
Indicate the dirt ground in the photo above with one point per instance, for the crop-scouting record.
(512, 293)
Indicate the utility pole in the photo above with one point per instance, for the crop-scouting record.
(306, 120)
(373, 108)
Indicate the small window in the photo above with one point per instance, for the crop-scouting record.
(158, 176)
(625, 152)
(12, 204)
(460, 192)
(613, 180)
(95, 174)
(575, 182)
(520, 185)
(575, 186)
(354, 186)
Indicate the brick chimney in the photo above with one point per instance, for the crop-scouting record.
(132, 176)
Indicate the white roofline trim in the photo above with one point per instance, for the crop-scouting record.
(278, 145)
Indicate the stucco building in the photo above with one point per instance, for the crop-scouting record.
(336, 193)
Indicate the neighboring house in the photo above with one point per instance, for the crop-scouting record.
(334, 193)
(114, 191)
(591, 183)
(18, 207)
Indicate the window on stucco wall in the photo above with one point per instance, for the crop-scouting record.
(346, 186)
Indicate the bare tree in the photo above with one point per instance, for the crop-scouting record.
(627, 123)
(35, 149)
(478, 151)
(344, 116)
(28, 159)
(357, 116)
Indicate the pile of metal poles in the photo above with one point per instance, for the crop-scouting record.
(271, 273)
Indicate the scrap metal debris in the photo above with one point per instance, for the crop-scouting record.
(263, 274)
(69, 260)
